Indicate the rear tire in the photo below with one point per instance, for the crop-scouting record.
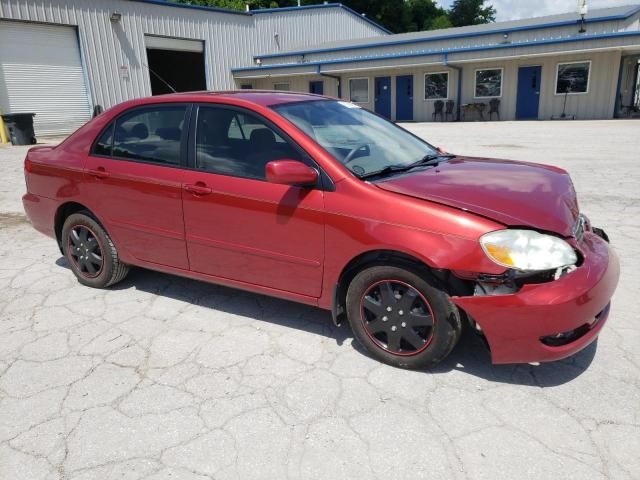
(91, 254)
(401, 317)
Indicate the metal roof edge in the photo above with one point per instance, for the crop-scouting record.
(322, 5)
(540, 26)
(165, 3)
(441, 52)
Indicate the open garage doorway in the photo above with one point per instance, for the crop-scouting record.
(175, 63)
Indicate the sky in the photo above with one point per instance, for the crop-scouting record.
(516, 9)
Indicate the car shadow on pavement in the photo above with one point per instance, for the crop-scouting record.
(470, 356)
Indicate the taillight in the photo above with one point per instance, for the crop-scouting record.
(27, 165)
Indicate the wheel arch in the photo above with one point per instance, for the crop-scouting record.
(382, 257)
(63, 212)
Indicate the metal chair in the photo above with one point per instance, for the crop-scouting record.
(438, 110)
(494, 107)
(449, 111)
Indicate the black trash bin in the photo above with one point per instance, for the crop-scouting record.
(20, 128)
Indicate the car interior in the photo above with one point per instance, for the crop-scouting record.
(232, 143)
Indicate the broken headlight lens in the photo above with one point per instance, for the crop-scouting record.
(527, 250)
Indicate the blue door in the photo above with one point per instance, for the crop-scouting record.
(383, 96)
(404, 98)
(529, 79)
(316, 87)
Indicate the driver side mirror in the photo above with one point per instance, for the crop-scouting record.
(291, 172)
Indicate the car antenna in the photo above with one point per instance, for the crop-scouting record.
(160, 78)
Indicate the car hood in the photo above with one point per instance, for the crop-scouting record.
(509, 192)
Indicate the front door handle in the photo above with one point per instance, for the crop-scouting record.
(198, 189)
(99, 172)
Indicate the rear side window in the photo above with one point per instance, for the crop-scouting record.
(151, 134)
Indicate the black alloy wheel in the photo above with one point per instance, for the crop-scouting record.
(397, 317)
(85, 251)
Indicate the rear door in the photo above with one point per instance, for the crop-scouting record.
(136, 173)
(383, 96)
(239, 226)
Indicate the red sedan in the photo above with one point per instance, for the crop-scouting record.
(318, 201)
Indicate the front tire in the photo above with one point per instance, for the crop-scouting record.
(90, 252)
(401, 317)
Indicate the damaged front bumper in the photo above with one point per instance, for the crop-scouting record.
(553, 320)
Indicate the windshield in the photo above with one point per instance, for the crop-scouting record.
(365, 143)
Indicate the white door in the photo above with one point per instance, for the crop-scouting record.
(41, 72)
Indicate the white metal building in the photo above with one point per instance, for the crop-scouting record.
(60, 58)
(529, 69)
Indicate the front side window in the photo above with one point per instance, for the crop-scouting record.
(150, 134)
(573, 78)
(488, 83)
(359, 90)
(230, 142)
(436, 86)
(362, 141)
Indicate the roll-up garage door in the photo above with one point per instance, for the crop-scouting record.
(41, 72)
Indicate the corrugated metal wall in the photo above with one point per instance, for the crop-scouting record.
(598, 103)
(114, 53)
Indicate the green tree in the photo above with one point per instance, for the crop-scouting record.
(440, 22)
(471, 12)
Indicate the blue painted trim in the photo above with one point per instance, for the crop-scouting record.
(427, 53)
(165, 3)
(454, 36)
(322, 5)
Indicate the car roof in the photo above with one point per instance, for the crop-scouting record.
(263, 98)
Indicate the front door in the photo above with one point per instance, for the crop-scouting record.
(528, 101)
(135, 172)
(316, 87)
(240, 227)
(404, 98)
(383, 96)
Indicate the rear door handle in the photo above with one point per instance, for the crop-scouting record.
(99, 172)
(198, 189)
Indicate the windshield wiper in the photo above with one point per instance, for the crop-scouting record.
(427, 160)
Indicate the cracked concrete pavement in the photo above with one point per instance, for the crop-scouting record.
(162, 377)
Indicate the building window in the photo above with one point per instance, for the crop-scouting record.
(281, 86)
(488, 83)
(359, 90)
(246, 86)
(572, 77)
(436, 86)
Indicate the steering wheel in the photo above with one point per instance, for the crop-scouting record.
(351, 156)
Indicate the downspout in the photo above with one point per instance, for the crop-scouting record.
(445, 61)
(335, 77)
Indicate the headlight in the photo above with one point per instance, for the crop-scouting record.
(527, 250)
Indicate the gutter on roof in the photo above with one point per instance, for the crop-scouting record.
(426, 53)
(452, 36)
